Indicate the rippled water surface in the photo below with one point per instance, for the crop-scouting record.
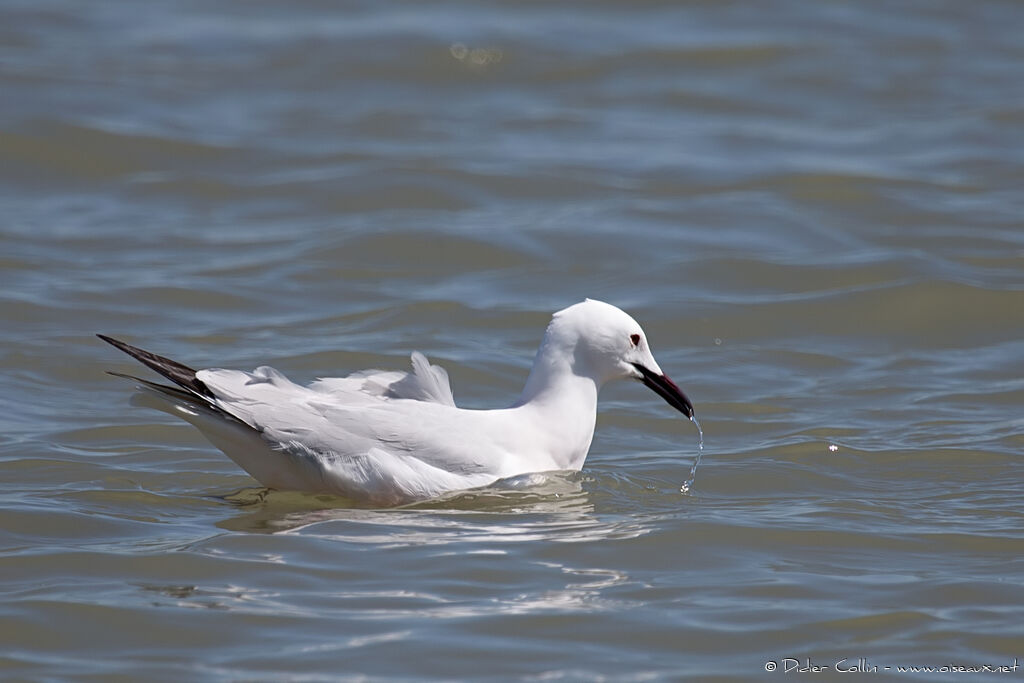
(813, 208)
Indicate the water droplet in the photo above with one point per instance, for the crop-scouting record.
(475, 57)
(688, 484)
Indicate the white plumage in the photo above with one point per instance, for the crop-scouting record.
(388, 437)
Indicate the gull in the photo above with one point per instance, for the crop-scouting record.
(389, 438)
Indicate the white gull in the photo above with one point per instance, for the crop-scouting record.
(388, 438)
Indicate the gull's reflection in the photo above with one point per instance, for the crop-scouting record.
(551, 506)
(526, 522)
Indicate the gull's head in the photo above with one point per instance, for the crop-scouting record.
(605, 343)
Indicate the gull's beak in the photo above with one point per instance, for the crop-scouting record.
(665, 388)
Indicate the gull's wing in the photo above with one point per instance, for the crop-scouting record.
(382, 436)
(330, 423)
(388, 450)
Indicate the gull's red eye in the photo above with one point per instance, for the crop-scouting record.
(635, 338)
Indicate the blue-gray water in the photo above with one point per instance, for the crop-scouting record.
(815, 210)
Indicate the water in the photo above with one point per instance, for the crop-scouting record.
(688, 484)
(814, 210)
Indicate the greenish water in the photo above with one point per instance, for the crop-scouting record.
(813, 209)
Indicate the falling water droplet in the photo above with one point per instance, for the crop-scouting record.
(688, 484)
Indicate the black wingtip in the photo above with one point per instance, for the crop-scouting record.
(180, 374)
(114, 342)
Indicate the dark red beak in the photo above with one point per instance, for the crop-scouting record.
(667, 389)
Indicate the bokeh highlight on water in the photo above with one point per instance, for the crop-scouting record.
(814, 209)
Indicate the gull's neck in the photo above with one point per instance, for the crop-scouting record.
(562, 402)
